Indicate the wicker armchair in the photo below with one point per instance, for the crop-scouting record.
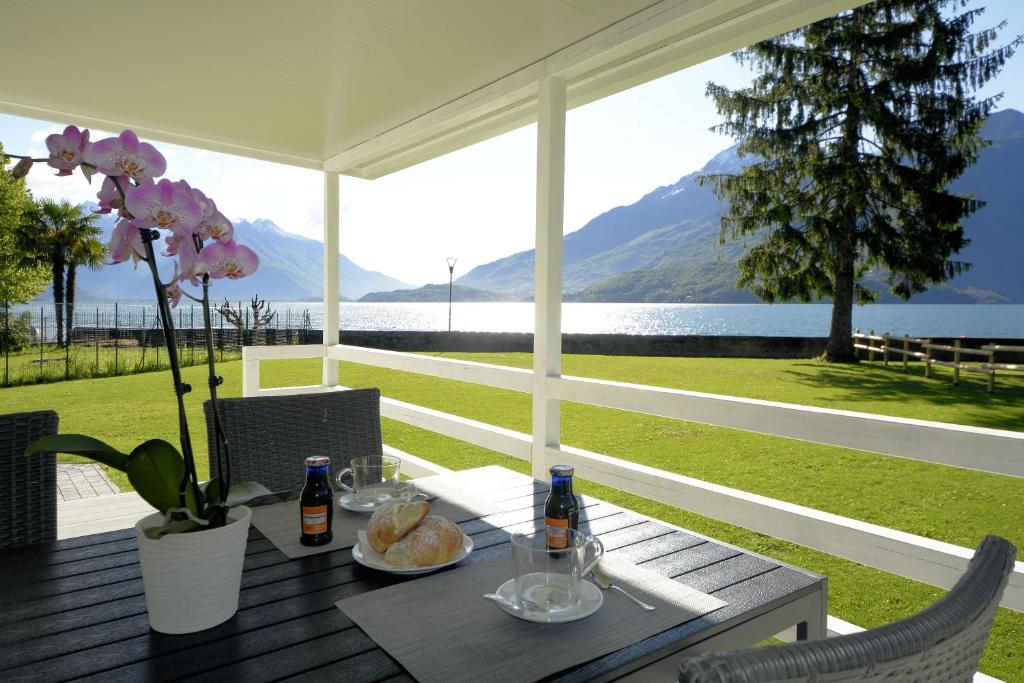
(28, 486)
(269, 436)
(942, 643)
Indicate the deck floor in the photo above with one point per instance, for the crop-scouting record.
(100, 513)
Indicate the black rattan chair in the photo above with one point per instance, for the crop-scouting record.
(270, 436)
(942, 643)
(28, 486)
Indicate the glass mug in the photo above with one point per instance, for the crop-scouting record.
(548, 580)
(374, 478)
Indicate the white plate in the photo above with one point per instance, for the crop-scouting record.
(374, 560)
(349, 502)
(590, 601)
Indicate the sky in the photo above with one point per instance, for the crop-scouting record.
(477, 204)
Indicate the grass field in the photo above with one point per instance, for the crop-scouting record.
(949, 504)
(52, 363)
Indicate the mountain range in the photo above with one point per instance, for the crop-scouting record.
(664, 247)
(437, 293)
(291, 269)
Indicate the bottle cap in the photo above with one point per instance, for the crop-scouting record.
(318, 461)
(562, 470)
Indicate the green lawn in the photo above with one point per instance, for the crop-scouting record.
(950, 504)
(84, 360)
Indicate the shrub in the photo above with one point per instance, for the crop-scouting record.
(16, 334)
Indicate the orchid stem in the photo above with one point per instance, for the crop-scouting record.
(23, 156)
(180, 388)
(220, 438)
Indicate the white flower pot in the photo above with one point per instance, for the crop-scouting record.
(192, 580)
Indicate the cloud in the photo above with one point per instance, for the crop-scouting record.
(44, 183)
(40, 135)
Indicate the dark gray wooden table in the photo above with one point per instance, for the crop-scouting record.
(74, 609)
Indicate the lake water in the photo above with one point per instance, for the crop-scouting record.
(812, 320)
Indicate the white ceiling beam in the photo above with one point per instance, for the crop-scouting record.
(668, 36)
(156, 134)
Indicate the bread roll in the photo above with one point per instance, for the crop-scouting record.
(393, 521)
(435, 541)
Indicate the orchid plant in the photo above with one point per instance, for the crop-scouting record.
(201, 241)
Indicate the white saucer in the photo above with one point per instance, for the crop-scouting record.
(375, 560)
(590, 601)
(349, 502)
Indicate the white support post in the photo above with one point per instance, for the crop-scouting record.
(332, 282)
(250, 373)
(547, 306)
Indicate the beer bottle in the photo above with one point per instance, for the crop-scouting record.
(316, 503)
(562, 508)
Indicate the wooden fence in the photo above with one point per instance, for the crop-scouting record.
(924, 351)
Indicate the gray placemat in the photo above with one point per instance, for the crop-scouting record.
(441, 629)
(280, 522)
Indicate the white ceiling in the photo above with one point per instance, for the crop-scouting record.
(301, 79)
(359, 86)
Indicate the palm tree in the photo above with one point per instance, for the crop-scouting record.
(63, 236)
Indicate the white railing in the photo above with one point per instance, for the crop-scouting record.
(916, 557)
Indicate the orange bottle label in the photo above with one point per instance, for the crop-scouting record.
(557, 538)
(314, 519)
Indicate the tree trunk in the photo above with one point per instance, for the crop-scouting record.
(58, 296)
(840, 335)
(69, 295)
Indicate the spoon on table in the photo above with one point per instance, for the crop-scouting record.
(605, 583)
(504, 602)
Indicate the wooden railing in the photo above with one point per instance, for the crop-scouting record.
(916, 557)
(1002, 348)
(863, 342)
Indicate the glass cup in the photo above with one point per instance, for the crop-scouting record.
(548, 580)
(374, 478)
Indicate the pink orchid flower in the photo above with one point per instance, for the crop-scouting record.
(188, 266)
(173, 288)
(108, 195)
(125, 242)
(125, 155)
(217, 227)
(67, 150)
(173, 244)
(228, 259)
(206, 205)
(164, 205)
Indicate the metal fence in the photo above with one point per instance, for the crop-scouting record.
(117, 339)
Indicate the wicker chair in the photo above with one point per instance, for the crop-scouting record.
(942, 643)
(269, 436)
(28, 486)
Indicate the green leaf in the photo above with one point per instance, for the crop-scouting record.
(155, 469)
(182, 526)
(79, 444)
(244, 491)
(211, 492)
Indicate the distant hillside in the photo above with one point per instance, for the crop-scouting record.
(664, 247)
(291, 269)
(437, 293)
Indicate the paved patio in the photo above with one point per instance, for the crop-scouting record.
(85, 480)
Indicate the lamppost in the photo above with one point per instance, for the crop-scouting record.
(451, 275)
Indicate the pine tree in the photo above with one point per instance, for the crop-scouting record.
(857, 124)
